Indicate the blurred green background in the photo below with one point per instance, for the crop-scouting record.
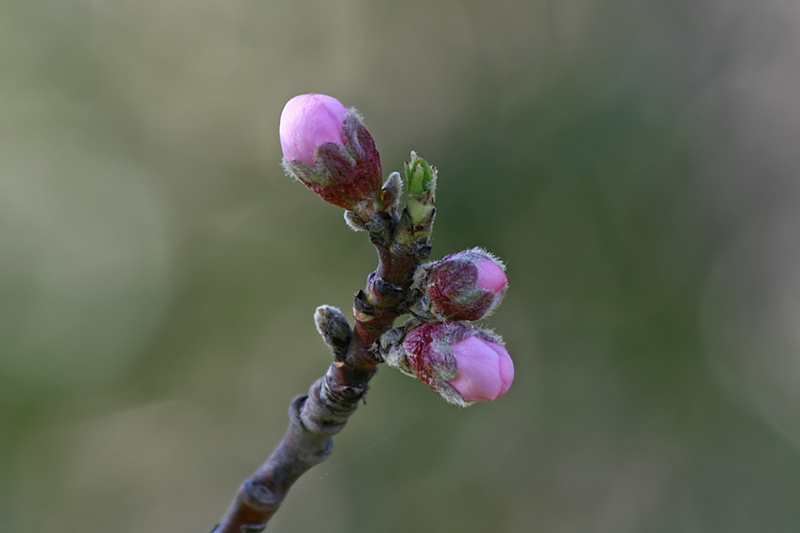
(634, 162)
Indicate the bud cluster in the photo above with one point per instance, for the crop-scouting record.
(463, 363)
(327, 147)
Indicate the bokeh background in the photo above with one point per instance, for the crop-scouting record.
(634, 161)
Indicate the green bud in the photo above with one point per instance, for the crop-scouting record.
(419, 175)
(420, 210)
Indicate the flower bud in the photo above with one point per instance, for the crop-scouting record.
(464, 364)
(327, 147)
(468, 285)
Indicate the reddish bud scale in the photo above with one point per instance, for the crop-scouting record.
(363, 145)
(424, 353)
(354, 171)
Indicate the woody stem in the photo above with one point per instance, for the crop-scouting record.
(316, 417)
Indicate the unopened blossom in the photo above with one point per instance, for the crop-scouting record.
(464, 364)
(468, 285)
(326, 146)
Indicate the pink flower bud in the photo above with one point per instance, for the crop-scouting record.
(464, 364)
(468, 285)
(307, 122)
(327, 147)
(485, 370)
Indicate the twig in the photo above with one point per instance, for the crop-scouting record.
(315, 418)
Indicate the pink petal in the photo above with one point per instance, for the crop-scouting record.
(491, 277)
(479, 375)
(308, 121)
(506, 367)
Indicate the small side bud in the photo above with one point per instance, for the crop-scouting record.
(334, 329)
(391, 192)
(464, 364)
(327, 148)
(468, 285)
